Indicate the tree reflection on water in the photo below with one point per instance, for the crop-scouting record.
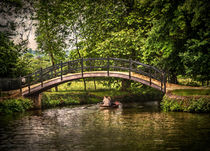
(134, 126)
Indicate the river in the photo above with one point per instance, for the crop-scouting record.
(132, 127)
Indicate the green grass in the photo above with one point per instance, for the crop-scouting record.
(79, 86)
(191, 92)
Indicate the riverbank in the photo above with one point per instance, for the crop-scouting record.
(187, 100)
(73, 93)
(53, 99)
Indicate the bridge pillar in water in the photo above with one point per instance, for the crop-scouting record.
(36, 98)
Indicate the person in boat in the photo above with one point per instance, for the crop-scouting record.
(107, 101)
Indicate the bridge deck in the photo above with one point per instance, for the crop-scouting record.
(37, 88)
(169, 86)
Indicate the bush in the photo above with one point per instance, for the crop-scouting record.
(61, 99)
(170, 104)
(200, 105)
(15, 105)
(187, 105)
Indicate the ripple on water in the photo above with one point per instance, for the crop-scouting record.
(128, 128)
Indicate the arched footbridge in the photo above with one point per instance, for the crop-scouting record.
(52, 76)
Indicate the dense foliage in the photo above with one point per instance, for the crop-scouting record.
(14, 16)
(190, 104)
(171, 35)
(15, 105)
(8, 56)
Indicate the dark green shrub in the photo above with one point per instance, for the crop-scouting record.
(15, 105)
(187, 105)
(200, 105)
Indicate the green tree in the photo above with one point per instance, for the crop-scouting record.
(8, 56)
(179, 35)
(49, 36)
(13, 16)
(172, 35)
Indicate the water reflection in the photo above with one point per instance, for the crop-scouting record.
(135, 126)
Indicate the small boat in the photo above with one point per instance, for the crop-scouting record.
(113, 105)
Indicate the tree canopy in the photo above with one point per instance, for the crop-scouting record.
(171, 35)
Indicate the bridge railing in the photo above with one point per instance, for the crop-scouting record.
(83, 65)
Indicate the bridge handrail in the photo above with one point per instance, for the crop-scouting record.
(87, 64)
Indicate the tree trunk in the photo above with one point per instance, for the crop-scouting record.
(110, 84)
(75, 32)
(202, 83)
(94, 83)
(125, 84)
(85, 88)
(53, 63)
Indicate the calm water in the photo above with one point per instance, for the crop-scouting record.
(133, 127)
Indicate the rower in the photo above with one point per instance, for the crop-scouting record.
(106, 101)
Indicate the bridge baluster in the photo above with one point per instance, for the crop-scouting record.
(68, 67)
(20, 82)
(150, 79)
(82, 66)
(29, 88)
(61, 70)
(41, 77)
(164, 78)
(108, 66)
(130, 67)
(51, 73)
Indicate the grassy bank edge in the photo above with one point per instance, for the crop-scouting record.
(192, 104)
(54, 99)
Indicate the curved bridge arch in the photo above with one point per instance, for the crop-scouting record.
(49, 77)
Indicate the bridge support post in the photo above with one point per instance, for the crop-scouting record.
(36, 98)
(41, 76)
(68, 67)
(108, 66)
(150, 76)
(29, 83)
(130, 66)
(164, 79)
(20, 83)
